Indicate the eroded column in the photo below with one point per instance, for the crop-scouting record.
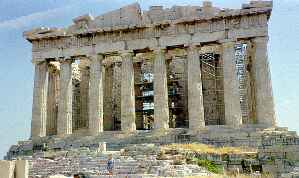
(195, 95)
(161, 109)
(95, 124)
(39, 106)
(265, 112)
(64, 121)
(84, 90)
(233, 115)
(128, 116)
(52, 101)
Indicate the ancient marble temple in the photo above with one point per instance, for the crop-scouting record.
(189, 67)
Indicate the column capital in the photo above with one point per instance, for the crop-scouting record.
(228, 42)
(192, 48)
(98, 56)
(261, 39)
(53, 68)
(127, 53)
(84, 63)
(159, 50)
(65, 60)
(38, 60)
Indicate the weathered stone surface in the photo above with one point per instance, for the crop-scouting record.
(52, 99)
(64, 121)
(96, 95)
(265, 112)
(7, 169)
(128, 116)
(161, 110)
(84, 92)
(39, 106)
(195, 96)
(22, 169)
(233, 116)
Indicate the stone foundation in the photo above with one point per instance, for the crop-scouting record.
(277, 148)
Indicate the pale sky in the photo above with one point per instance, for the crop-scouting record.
(16, 70)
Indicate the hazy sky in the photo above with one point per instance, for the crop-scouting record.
(16, 70)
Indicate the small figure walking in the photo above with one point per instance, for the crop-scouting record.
(110, 164)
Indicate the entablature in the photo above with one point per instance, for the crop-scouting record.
(145, 31)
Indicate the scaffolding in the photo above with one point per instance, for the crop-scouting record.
(242, 75)
(144, 93)
(177, 95)
(212, 84)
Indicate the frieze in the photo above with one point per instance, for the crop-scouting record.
(79, 41)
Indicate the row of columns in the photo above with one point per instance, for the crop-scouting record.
(264, 98)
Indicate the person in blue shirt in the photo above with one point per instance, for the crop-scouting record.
(110, 164)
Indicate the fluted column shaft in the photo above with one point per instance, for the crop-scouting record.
(84, 96)
(195, 95)
(128, 116)
(52, 109)
(161, 109)
(64, 121)
(39, 105)
(95, 124)
(233, 115)
(265, 111)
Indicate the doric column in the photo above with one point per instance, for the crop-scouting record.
(64, 121)
(265, 112)
(195, 95)
(39, 106)
(95, 124)
(84, 90)
(161, 109)
(233, 115)
(127, 93)
(52, 107)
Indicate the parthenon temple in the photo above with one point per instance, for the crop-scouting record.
(190, 67)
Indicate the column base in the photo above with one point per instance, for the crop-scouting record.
(160, 131)
(197, 131)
